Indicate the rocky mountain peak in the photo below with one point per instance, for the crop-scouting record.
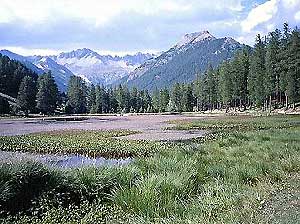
(191, 38)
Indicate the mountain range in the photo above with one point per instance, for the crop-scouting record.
(181, 63)
(88, 64)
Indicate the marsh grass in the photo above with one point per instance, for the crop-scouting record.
(225, 180)
(89, 143)
(242, 123)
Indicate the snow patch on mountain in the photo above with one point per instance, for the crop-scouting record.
(60, 73)
(100, 69)
(194, 38)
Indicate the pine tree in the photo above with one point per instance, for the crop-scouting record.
(284, 60)
(27, 95)
(293, 65)
(47, 94)
(4, 106)
(211, 82)
(188, 99)
(225, 84)
(176, 98)
(98, 99)
(239, 76)
(113, 106)
(156, 101)
(77, 95)
(164, 97)
(147, 102)
(134, 99)
(257, 73)
(91, 102)
(271, 81)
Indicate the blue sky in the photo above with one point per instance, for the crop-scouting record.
(128, 26)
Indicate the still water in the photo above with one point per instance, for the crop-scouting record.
(62, 161)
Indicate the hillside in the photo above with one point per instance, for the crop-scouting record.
(181, 63)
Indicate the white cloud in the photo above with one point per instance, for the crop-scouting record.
(268, 16)
(28, 51)
(297, 16)
(131, 25)
(99, 12)
(261, 13)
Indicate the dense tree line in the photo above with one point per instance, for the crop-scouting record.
(266, 76)
(34, 96)
(11, 74)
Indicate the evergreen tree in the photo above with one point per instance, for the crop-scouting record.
(11, 74)
(91, 103)
(77, 95)
(147, 102)
(211, 82)
(225, 84)
(47, 94)
(4, 106)
(188, 99)
(156, 101)
(27, 95)
(284, 60)
(257, 72)
(271, 81)
(176, 99)
(134, 99)
(293, 65)
(99, 100)
(105, 101)
(164, 97)
(113, 105)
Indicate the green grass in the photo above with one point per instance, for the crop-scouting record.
(240, 123)
(226, 180)
(90, 143)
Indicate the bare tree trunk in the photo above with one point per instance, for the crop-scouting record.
(286, 101)
(280, 99)
(270, 103)
(234, 105)
(240, 106)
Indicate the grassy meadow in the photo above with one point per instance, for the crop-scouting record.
(227, 177)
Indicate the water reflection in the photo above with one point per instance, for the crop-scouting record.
(62, 161)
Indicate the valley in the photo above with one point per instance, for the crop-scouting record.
(149, 112)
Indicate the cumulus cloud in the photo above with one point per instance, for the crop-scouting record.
(270, 15)
(132, 25)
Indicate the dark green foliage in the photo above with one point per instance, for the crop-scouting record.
(176, 104)
(47, 95)
(164, 97)
(27, 95)
(11, 74)
(272, 77)
(257, 72)
(4, 106)
(188, 98)
(293, 65)
(91, 101)
(20, 184)
(266, 77)
(77, 93)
